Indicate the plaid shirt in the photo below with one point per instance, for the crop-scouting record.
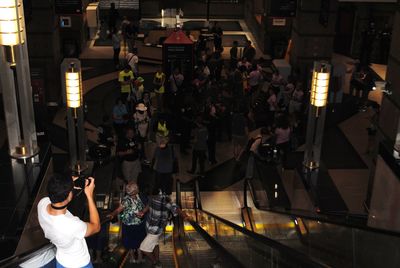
(157, 218)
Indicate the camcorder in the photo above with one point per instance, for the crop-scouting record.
(80, 182)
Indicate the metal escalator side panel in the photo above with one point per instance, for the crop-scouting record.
(249, 248)
(228, 260)
(248, 218)
(182, 257)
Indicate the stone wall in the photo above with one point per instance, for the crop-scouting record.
(196, 9)
(43, 38)
(310, 39)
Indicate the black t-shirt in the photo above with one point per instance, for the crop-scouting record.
(125, 144)
(105, 133)
(233, 52)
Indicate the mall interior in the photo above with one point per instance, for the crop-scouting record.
(325, 73)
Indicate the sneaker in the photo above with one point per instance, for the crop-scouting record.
(131, 257)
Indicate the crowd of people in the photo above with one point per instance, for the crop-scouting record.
(224, 100)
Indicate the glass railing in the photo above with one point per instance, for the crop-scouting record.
(244, 248)
(333, 242)
(248, 248)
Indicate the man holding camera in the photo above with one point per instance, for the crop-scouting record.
(65, 231)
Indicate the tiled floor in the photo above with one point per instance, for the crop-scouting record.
(351, 184)
(102, 52)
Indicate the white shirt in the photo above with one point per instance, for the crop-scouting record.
(132, 61)
(67, 233)
(176, 81)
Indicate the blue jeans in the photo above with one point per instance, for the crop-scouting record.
(89, 265)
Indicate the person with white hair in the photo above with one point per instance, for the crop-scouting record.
(141, 120)
(131, 211)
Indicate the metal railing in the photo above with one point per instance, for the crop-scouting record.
(275, 248)
(337, 218)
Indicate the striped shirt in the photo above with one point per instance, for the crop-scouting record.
(157, 218)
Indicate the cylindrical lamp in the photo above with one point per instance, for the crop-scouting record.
(11, 23)
(320, 84)
(73, 87)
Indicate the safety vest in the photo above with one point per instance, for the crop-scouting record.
(162, 129)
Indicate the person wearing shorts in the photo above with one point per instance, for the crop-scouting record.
(158, 210)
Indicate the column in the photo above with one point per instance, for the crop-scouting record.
(313, 33)
(15, 81)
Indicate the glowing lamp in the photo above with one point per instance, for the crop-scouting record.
(320, 84)
(11, 23)
(73, 88)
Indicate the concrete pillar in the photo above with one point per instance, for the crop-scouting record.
(393, 68)
(383, 189)
(17, 97)
(43, 32)
(389, 120)
(312, 40)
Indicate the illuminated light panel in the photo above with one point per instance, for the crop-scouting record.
(282, 225)
(73, 89)
(114, 229)
(320, 85)
(11, 23)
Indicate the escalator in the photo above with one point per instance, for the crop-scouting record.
(264, 237)
(211, 241)
(334, 240)
(329, 239)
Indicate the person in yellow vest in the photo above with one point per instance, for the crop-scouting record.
(158, 82)
(125, 79)
(162, 135)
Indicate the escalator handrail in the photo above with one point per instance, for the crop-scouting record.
(181, 257)
(197, 194)
(262, 239)
(269, 242)
(18, 259)
(320, 217)
(226, 255)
